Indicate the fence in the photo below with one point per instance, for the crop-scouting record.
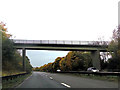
(13, 76)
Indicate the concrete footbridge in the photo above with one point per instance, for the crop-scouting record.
(60, 45)
(95, 47)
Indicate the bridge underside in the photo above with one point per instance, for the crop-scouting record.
(94, 49)
(61, 47)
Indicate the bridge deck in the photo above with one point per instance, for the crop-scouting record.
(60, 45)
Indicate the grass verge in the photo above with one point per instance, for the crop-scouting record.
(97, 77)
(11, 72)
(15, 82)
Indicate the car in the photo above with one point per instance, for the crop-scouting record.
(92, 69)
(58, 70)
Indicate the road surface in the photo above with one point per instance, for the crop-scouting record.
(57, 80)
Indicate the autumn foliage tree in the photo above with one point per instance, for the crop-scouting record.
(11, 58)
(62, 64)
(73, 61)
(55, 64)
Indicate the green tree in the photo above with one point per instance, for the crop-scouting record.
(114, 48)
(28, 65)
(81, 60)
(56, 63)
(11, 58)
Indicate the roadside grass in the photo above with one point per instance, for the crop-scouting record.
(0, 86)
(97, 77)
(15, 82)
(12, 72)
(107, 78)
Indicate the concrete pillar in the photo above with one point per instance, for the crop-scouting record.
(96, 59)
(24, 55)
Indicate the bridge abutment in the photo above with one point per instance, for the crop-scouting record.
(24, 55)
(96, 59)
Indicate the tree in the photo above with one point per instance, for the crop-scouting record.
(114, 48)
(68, 61)
(28, 65)
(3, 30)
(49, 67)
(11, 58)
(62, 64)
(81, 60)
(56, 63)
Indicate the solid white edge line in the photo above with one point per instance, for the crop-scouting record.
(66, 85)
(28, 77)
(23, 82)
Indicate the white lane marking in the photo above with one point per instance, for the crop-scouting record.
(28, 77)
(66, 85)
(20, 84)
(23, 82)
(51, 78)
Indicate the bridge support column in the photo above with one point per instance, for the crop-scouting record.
(96, 59)
(24, 55)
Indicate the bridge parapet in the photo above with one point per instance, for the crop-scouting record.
(67, 42)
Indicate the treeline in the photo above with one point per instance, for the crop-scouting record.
(73, 61)
(11, 58)
(80, 61)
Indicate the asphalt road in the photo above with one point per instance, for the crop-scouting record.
(53, 80)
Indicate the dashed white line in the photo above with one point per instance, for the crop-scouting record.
(51, 78)
(66, 85)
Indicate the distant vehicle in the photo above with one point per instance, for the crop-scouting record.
(58, 70)
(92, 69)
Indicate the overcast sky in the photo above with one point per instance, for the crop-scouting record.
(41, 57)
(59, 19)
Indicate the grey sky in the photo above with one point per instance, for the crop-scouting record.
(41, 57)
(60, 19)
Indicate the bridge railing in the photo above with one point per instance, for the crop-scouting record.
(61, 42)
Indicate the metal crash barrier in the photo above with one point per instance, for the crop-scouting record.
(13, 76)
